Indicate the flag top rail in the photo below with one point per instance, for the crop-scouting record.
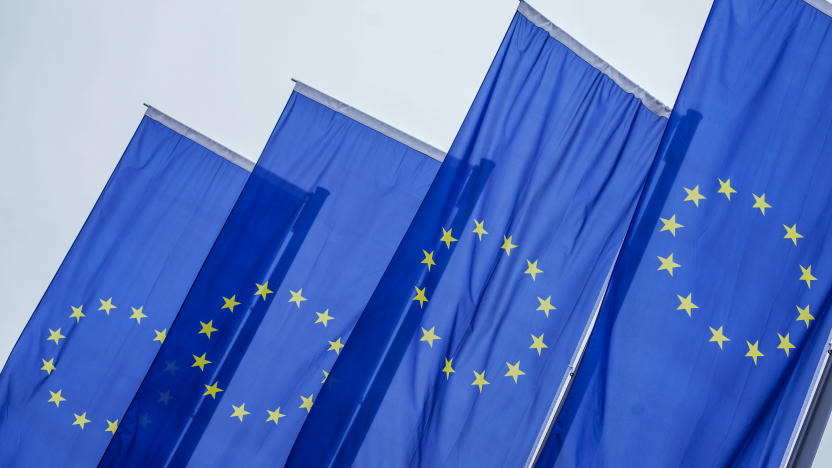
(650, 102)
(822, 5)
(368, 121)
(198, 138)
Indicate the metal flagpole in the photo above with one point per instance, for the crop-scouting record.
(569, 375)
(814, 413)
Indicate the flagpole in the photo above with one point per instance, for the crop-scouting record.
(800, 444)
(569, 375)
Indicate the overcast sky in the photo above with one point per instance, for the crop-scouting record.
(74, 75)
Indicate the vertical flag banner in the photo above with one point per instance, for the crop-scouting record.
(457, 358)
(274, 304)
(718, 309)
(91, 338)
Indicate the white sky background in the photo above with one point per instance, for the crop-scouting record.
(74, 75)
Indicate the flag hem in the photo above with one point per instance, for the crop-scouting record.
(369, 121)
(649, 101)
(198, 138)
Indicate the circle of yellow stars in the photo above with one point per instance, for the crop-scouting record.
(200, 361)
(668, 264)
(430, 336)
(56, 336)
(263, 292)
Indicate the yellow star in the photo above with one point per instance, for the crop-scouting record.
(760, 202)
(335, 346)
(212, 390)
(200, 361)
(538, 344)
(77, 313)
(532, 270)
(785, 345)
(80, 420)
(262, 290)
(693, 195)
(207, 328)
(718, 336)
(107, 305)
(323, 317)
(160, 335)
(753, 352)
(56, 398)
(448, 370)
(686, 304)
(791, 233)
(138, 314)
(514, 371)
(296, 297)
(429, 336)
(545, 305)
(806, 275)
(274, 415)
(447, 238)
(240, 411)
(420, 296)
(326, 375)
(725, 188)
(428, 258)
(480, 230)
(55, 335)
(670, 225)
(803, 314)
(112, 426)
(507, 245)
(479, 380)
(307, 402)
(48, 366)
(668, 264)
(230, 302)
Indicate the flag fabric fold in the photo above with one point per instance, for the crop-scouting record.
(90, 340)
(358, 298)
(275, 301)
(717, 312)
(456, 359)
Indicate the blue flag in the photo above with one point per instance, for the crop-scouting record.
(717, 312)
(275, 302)
(88, 344)
(461, 349)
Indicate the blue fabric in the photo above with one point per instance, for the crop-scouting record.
(656, 388)
(552, 153)
(142, 245)
(320, 216)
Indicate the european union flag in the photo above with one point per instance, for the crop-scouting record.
(717, 312)
(463, 345)
(275, 302)
(89, 342)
